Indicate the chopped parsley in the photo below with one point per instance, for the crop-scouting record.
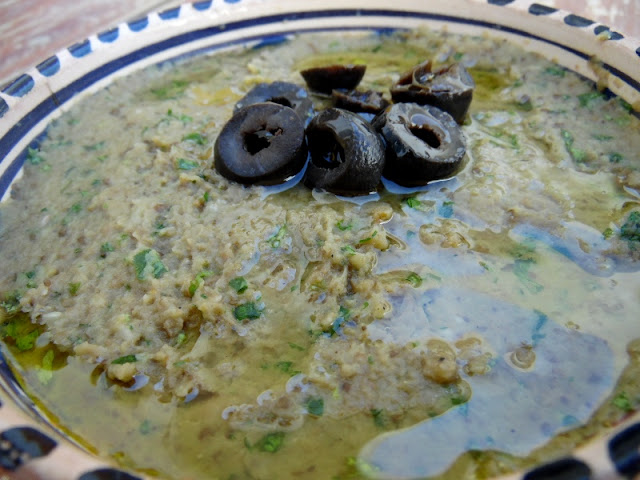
(413, 202)
(615, 157)
(246, 311)
(239, 284)
(315, 406)
(11, 303)
(196, 282)
(630, 230)
(348, 250)
(296, 347)
(124, 359)
(578, 155)
(45, 372)
(276, 239)
(555, 71)
(622, 402)
(74, 287)
(607, 233)
(368, 239)
(342, 226)
(270, 443)
(23, 333)
(33, 156)
(196, 138)
(414, 279)
(184, 164)
(586, 99)
(105, 249)
(286, 366)
(148, 262)
(173, 90)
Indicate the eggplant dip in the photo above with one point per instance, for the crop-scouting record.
(466, 313)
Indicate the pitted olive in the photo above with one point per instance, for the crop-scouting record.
(423, 143)
(449, 88)
(333, 77)
(262, 144)
(347, 155)
(356, 101)
(283, 93)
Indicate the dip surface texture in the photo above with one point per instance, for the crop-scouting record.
(195, 328)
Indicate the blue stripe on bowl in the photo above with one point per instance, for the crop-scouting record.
(170, 13)
(49, 67)
(611, 35)
(80, 49)
(232, 1)
(203, 5)
(577, 21)
(4, 108)
(107, 474)
(18, 445)
(19, 87)
(537, 9)
(138, 24)
(109, 36)
(502, 3)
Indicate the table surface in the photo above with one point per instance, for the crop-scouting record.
(32, 30)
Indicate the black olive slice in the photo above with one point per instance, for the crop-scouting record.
(333, 77)
(347, 155)
(262, 144)
(357, 101)
(423, 143)
(283, 93)
(449, 88)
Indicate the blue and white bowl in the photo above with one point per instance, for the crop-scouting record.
(30, 446)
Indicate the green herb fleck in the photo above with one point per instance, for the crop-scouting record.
(246, 311)
(630, 230)
(170, 91)
(148, 261)
(184, 164)
(615, 157)
(181, 339)
(555, 71)
(74, 288)
(287, 367)
(94, 147)
(239, 284)
(586, 99)
(276, 239)
(413, 202)
(124, 359)
(602, 138)
(578, 155)
(315, 406)
(380, 419)
(271, 442)
(414, 279)
(196, 282)
(296, 347)
(607, 233)
(45, 372)
(196, 138)
(11, 303)
(105, 249)
(622, 402)
(342, 226)
(348, 250)
(368, 239)
(33, 156)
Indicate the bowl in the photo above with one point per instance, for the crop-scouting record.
(31, 444)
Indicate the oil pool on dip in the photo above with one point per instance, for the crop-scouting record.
(193, 316)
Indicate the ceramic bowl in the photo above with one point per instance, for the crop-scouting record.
(33, 448)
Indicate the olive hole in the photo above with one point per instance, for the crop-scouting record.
(325, 151)
(426, 135)
(281, 101)
(257, 141)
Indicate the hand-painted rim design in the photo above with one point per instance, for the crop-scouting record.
(23, 113)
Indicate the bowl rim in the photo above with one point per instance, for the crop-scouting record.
(35, 97)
